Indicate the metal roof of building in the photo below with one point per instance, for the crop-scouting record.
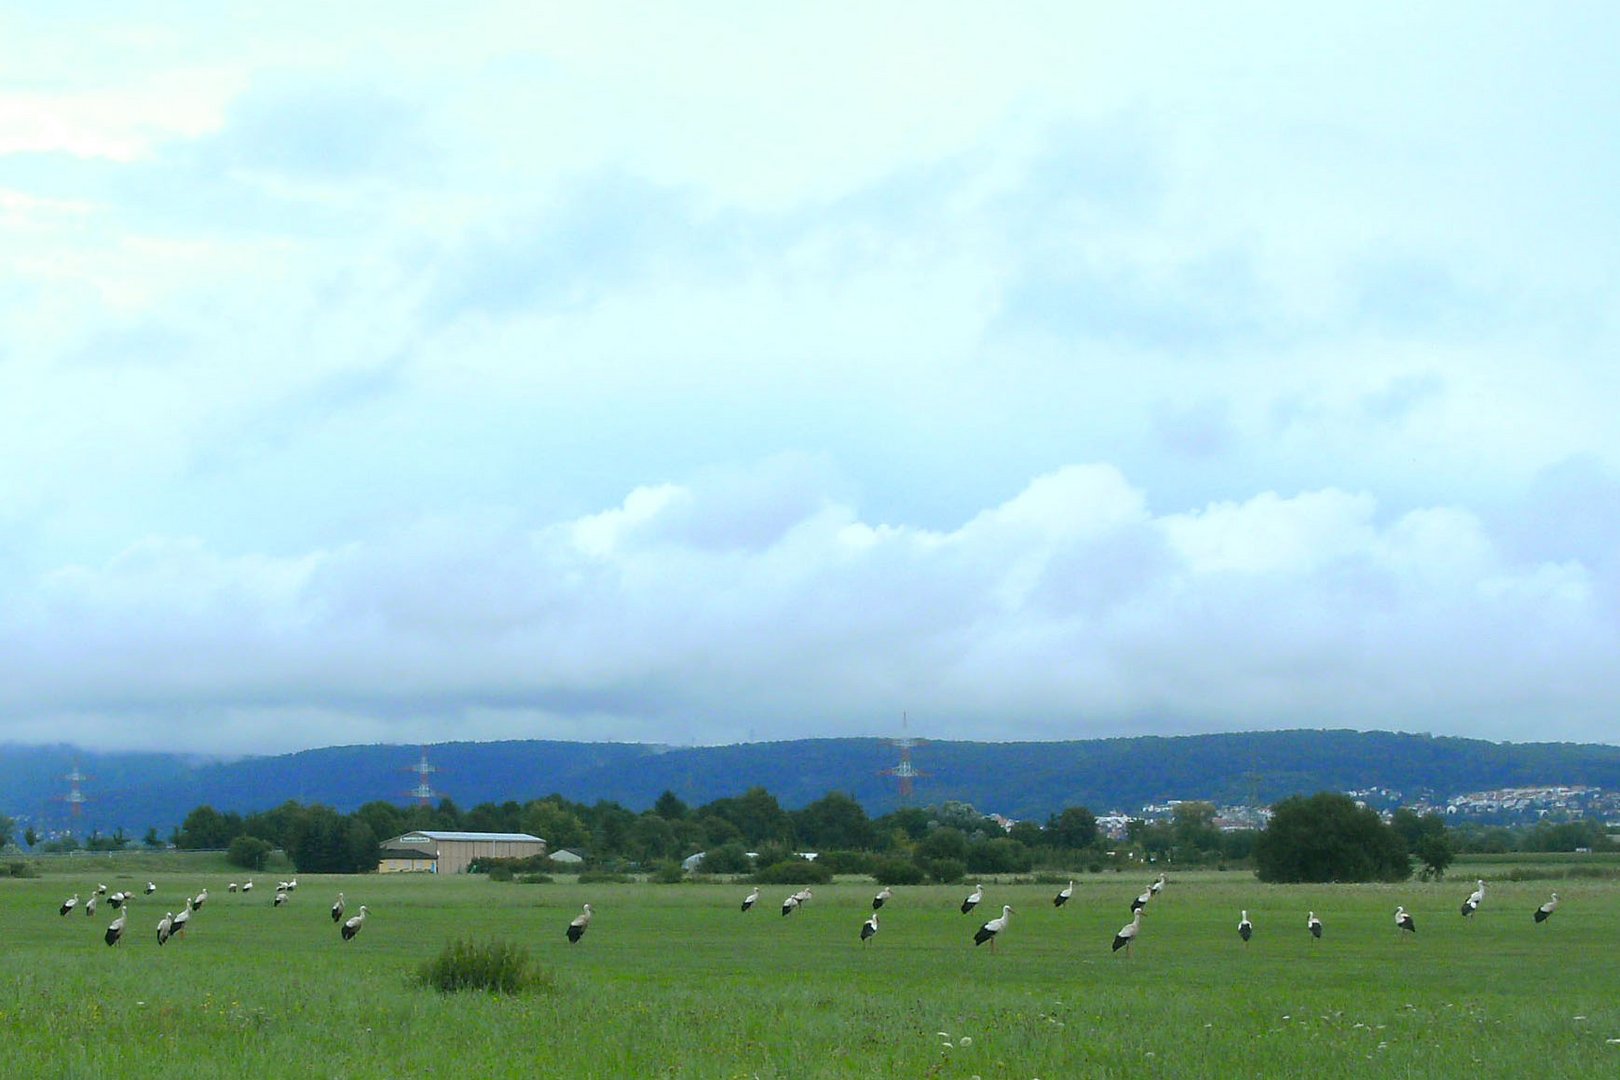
(490, 837)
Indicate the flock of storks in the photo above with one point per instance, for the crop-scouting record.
(175, 924)
(988, 931)
(1127, 933)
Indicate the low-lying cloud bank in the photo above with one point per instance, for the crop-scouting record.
(756, 606)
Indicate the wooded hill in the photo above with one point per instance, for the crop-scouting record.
(1021, 780)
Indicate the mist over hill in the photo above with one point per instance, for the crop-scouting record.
(135, 791)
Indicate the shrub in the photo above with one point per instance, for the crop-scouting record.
(669, 873)
(500, 873)
(248, 852)
(21, 869)
(944, 871)
(486, 864)
(534, 879)
(999, 856)
(793, 872)
(497, 967)
(847, 862)
(897, 872)
(729, 858)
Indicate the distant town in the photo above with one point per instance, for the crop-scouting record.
(1501, 806)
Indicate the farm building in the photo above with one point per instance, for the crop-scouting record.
(452, 852)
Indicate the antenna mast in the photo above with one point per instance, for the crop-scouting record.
(75, 798)
(904, 772)
(423, 792)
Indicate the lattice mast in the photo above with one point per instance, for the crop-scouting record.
(905, 772)
(75, 798)
(423, 792)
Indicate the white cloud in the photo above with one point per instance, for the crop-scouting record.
(1278, 611)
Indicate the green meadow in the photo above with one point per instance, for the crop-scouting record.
(675, 981)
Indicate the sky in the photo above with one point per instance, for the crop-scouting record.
(697, 374)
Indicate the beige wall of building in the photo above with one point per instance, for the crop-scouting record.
(455, 851)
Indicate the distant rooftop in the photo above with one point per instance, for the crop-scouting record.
(504, 837)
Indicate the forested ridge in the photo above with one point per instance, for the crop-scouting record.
(1020, 780)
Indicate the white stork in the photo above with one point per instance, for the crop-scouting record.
(69, 904)
(352, 926)
(869, 927)
(1245, 928)
(281, 898)
(1142, 901)
(1314, 925)
(1063, 895)
(247, 886)
(1475, 898)
(116, 900)
(1157, 886)
(115, 929)
(1128, 932)
(972, 899)
(231, 887)
(201, 898)
(101, 890)
(1404, 921)
(90, 905)
(881, 898)
(181, 920)
(751, 899)
(151, 887)
(337, 909)
(790, 905)
(989, 930)
(165, 928)
(1544, 912)
(580, 923)
(292, 885)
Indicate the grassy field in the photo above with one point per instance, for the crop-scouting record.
(675, 981)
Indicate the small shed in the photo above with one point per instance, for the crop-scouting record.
(406, 859)
(453, 852)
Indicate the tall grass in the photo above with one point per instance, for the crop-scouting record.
(497, 967)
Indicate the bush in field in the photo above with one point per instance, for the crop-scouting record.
(897, 872)
(943, 871)
(248, 852)
(20, 869)
(847, 862)
(1000, 856)
(793, 872)
(603, 877)
(729, 858)
(500, 872)
(497, 967)
(669, 873)
(534, 879)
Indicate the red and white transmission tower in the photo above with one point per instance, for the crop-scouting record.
(423, 792)
(905, 772)
(75, 798)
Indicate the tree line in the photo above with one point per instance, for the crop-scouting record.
(1323, 837)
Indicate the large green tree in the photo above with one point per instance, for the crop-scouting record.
(1327, 837)
(1075, 827)
(835, 822)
